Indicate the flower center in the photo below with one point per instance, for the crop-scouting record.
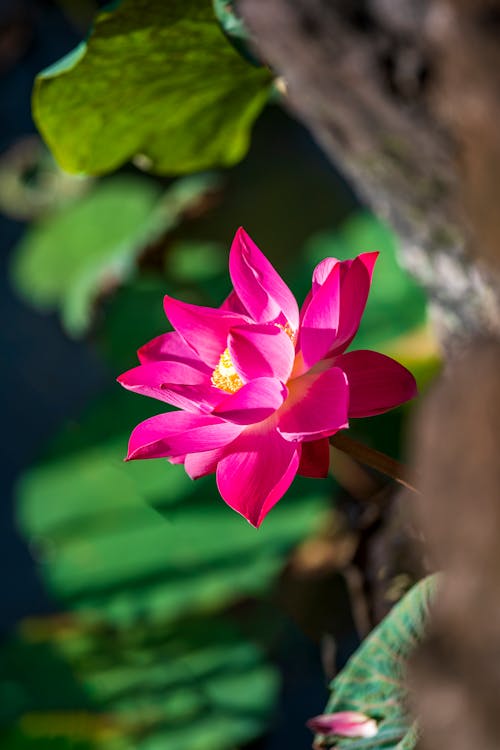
(225, 377)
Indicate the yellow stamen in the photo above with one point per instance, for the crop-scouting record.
(225, 376)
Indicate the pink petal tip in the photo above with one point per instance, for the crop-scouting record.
(344, 724)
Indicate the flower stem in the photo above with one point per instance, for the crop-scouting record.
(373, 458)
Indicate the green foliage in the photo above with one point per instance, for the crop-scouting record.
(68, 259)
(191, 261)
(374, 682)
(156, 79)
(17, 739)
(111, 554)
(133, 316)
(196, 686)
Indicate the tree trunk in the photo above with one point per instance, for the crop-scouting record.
(388, 89)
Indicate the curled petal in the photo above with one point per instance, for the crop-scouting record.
(258, 285)
(261, 351)
(377, 383)
(317, 406)
(175, 383)
(355, 283)
(369, 260)
(324, 268)
(204, 329)
(320, 275)
(254, 402)
(335, 315)
(256, 472)
(169, 346)
(178, 433)
(344, 724)
(321, 320)
(322, 272)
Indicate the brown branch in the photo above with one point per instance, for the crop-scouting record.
(373, 458)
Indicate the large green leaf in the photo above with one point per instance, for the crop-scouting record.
(68, 259)
(155, 78)
(374, 680)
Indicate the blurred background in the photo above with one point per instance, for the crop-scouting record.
(137, 611)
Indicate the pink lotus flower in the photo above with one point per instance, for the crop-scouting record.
(344, 724)
(259, 385)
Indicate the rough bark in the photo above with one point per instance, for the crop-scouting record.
(376, 82)
(456, 673)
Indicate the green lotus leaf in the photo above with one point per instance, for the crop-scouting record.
(373, 682)
(157, 80)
